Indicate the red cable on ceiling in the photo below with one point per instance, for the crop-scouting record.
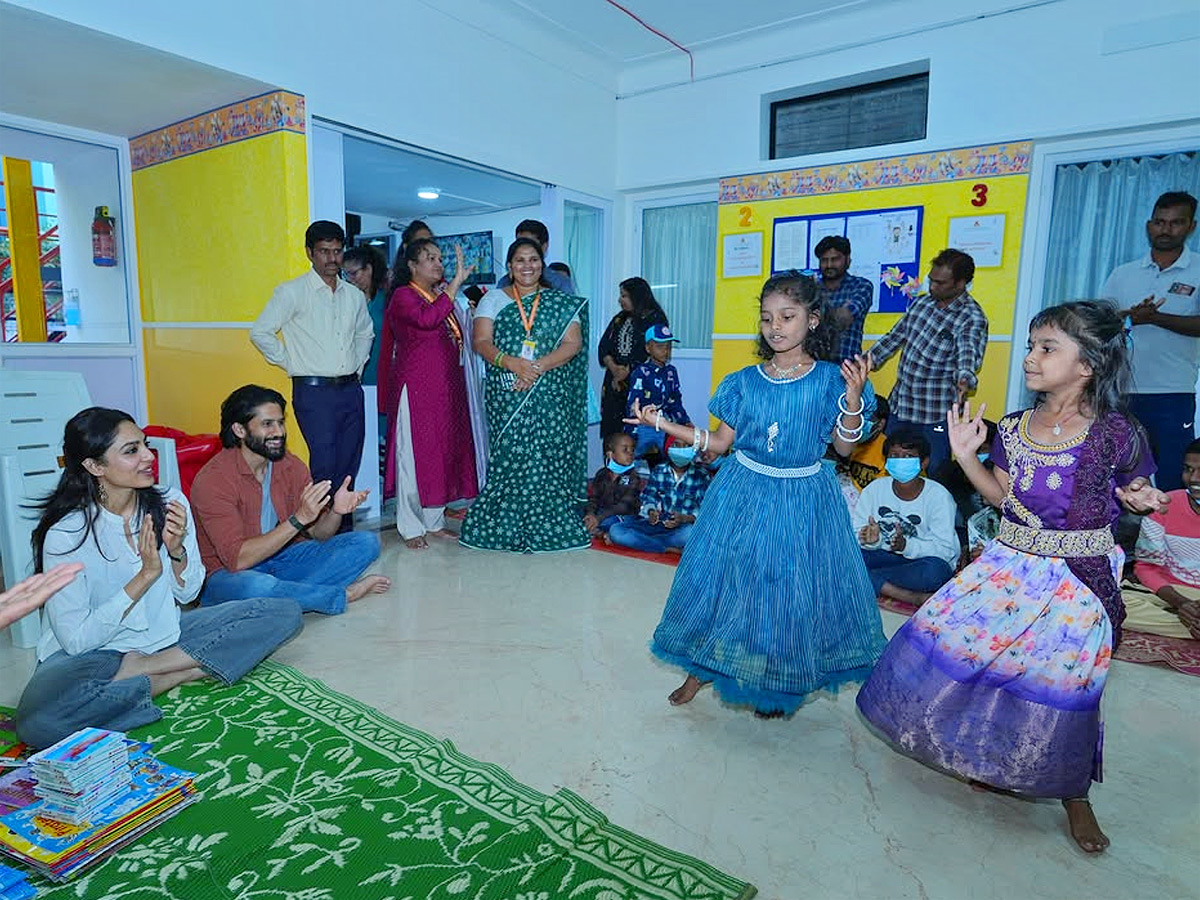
(667, 38)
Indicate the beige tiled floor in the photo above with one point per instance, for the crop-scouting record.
(539, 664)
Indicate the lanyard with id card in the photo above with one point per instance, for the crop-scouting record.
(529, 345)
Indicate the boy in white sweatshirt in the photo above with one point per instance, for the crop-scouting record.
(905, 524)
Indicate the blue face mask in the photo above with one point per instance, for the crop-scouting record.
(682, 456)
(903, 468)
(614, 466)
(983, 457)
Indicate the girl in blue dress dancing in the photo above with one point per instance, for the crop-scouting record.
(771, 600)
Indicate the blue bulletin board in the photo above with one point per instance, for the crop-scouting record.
(885, 248)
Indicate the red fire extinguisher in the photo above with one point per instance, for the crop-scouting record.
(104, 238)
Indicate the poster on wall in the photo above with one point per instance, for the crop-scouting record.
(742, 257)
(884, 247)
(980, 236)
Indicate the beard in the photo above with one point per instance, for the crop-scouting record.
(259, 445)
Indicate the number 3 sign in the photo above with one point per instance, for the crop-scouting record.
(980, 192)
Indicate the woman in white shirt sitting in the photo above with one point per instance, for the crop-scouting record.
(117, 637)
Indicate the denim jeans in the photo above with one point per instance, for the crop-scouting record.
(1169, 420)
(313, 573)
(925, 573)
(67, 693)
(639, 534)
(648, 439)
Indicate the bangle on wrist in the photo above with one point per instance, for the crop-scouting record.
(498, 360)
(181, 557)
(842, 406)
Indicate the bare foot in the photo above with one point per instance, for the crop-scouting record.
(368, 584)
(916, 598)
(417, 543)
(444, 533)
(607, 539)
(132, 663)
(1084, 827)
(686, 691)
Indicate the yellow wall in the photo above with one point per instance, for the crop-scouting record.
(216, 232)
(736, 307)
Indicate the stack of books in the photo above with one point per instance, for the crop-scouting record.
(96, 792)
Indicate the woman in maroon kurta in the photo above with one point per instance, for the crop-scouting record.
(423, 392)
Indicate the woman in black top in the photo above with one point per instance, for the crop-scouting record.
(623, 347)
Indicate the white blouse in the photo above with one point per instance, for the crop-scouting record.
(86, 614)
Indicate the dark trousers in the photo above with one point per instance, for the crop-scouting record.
(331, 419)
(1170, 421)
(939, 440)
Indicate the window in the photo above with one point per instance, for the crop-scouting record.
(679, 259)
(887, 111)
(51, 266)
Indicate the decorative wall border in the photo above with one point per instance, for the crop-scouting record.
(265, 114)
(896, 171)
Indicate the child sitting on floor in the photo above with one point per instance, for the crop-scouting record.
(905, 525)
(655, 383)
(1167, 554)
(670, 502)
(616, 488)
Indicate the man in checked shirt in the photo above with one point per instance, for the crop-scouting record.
(944, 334)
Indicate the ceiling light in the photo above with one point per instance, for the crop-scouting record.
(428, 194)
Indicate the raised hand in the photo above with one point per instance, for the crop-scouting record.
(147, 546)
(26, 596)
(642, 415)
(346, 500)
(312, 502)
(461, 272)
(855, 372)
(175, 527)
(1140, 496)
(965, 434)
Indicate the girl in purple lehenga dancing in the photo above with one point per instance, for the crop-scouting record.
(998, 676)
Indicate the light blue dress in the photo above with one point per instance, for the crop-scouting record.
(771, 600)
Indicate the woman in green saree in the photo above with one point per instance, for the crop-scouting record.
(536, 393)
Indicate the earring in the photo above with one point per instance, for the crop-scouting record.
(100, 491)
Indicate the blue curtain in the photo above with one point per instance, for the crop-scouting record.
(679, 259)
(1099, 218)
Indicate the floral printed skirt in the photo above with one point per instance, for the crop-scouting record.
(998, 676)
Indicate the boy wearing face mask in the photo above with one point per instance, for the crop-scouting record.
(616, 488)
(905, 524)
(670, 502)
(655, 383)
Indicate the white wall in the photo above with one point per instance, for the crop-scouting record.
(1051, 70)
(356, 65)
(86, 176)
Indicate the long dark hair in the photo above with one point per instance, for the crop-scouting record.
(1098, 328)
(645, 307)
(88, 435)
(527, 242)
(400, 275)
(819, 341)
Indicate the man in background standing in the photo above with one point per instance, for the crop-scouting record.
(317, 327)
(847, 297)
(1160, 293)
(944, 334)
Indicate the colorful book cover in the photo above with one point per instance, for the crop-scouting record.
(16, 789)
(10, 744)
(47, 841)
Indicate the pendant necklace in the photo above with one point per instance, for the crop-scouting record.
(1056, 428)
(784, 373)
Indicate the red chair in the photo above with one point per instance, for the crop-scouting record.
(191, 450)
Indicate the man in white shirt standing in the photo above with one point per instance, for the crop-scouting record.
(317, 327)
(1161, 295)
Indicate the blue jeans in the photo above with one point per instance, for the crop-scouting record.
(925, 573)
(935, 433)
(638, 534)
(313, 573)
(1170, 421)
(67, 693)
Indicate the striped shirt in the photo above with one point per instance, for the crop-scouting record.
(855, 294)
(941, 347)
